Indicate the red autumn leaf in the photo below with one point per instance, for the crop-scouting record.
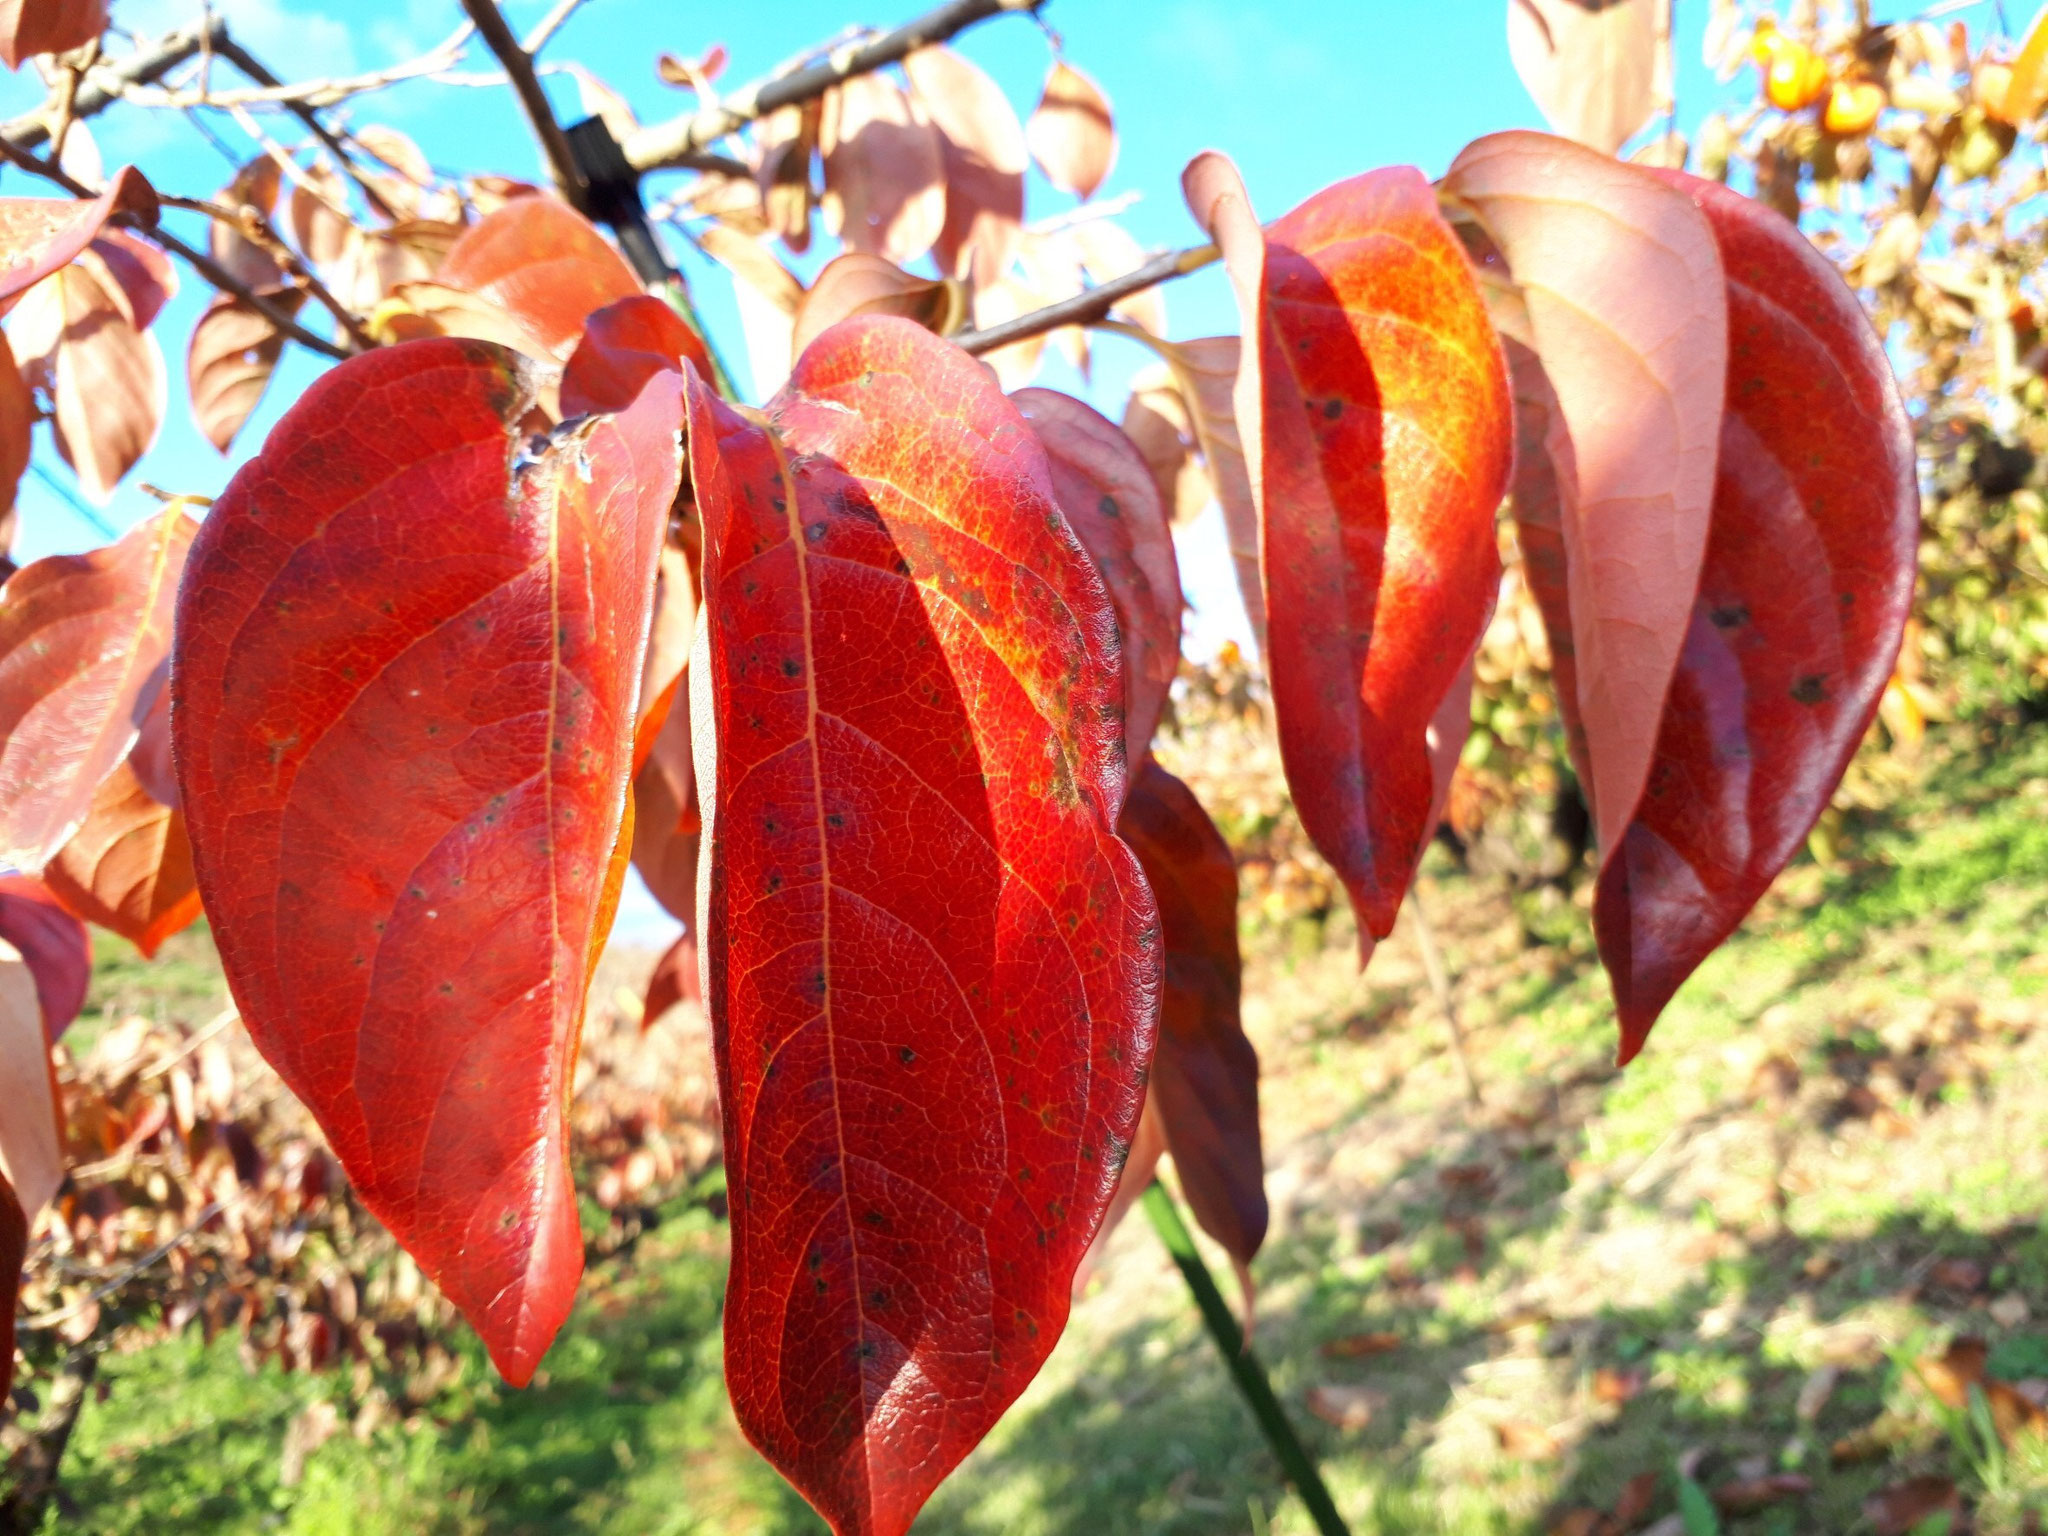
(545, 264)
(982, 147)
(31, 1143)
(675, 980)
(129, 868)
(13, 1254)
(1626, 310)
(885, 178)
(623, 346)
(39, 235)
(1205, 1074)
(17, 418)
(935, 1017)
(859, 284)
(1801, 607)
(403, 710)
(1382, 446)
(1072, 134)
(150, 757)
(54, 945)
(1105, 488)
(256, 185)
(666, 824)
(30, 27)
(233, 352)
(80, 637)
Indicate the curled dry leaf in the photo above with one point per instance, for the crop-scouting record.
(858, 284)
(985, 157)
(1072, 134)
(317, 214)
(1105, 490)
(129, 868)
(885, 175)
(892, 582)
(1800, 608)
(623, 346)
(406, 812)
(256, 185)
(80, 637)
(1347, 1407)
(675, 980)
(54, 945)
(233, 352)
(785, 141)
(31, 1140)
(1620, 279)
(30, 27)
(1596, 71)
(1380, 444)
(17, 419)
(41, 234)
(544, 264)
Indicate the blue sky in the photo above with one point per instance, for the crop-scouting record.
(1301, 95)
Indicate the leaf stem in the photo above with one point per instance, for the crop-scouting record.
(1090, 305)
(1245, 1369)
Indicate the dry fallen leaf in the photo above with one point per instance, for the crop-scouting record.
(1617, 1386)
(1526, 1442)
(1356, 1346)
(1900, 1509)
(1346, 1407)
(1747, 1495)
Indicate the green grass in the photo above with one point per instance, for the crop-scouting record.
(1673, 1220)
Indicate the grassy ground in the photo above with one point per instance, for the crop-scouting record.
(1832, 1158)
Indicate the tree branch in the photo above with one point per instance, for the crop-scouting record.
(294, 267)
(661, 145)
(497, 35)
(241, 58)
(198, 260)
(107, 82)
(1091, 305)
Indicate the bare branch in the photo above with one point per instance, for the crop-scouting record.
(1092, 304)
(497, 35)
(240, 57)
(549, 25)
(660, 145)
(266, 237)
(444, 56)
(110, 80)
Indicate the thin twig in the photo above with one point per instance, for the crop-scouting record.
(1091, 304)
(312, 93)
(660, 145)
(1440, 984)
(240, 57)
(108, 81)
(549, 25)
(44, 1320)
(198, 260)
(497, 35)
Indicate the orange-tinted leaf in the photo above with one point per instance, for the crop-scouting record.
(256, 185)
(54, 945)
(982, 145)
(31, 1140)
(1205, 1074)
(1072, 134)
(545, 264)
(1382, 443)
(80, 636)
(29, 27)
(1595, 70)
(1623, 287)
(859, 284)
(13, 1254)
(104, 374)
(316, 213)
(409, 645)
(935, 1017)
(233, 352)
(1801, 606)
(1358, 1346)
(2027, 89)
(1526, 1442)
(374, 263)
(17, 418)
(885, 176)
(675, 980)
(1903, 1508)
(785, 141)
(666, 823)
(1105, 489)
(129, 868)
(404, 177)
(1205, 373)
(38, 235)
(623, 346)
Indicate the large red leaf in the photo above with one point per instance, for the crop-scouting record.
(545, 264)
(38, 235)
(932, 966)
(1383, 443)
(409, 644)
(1205, 1075)
(80, 637)
(1105, 488)
(54, 945)
(29, 27)
(1801, 607)
(623, 346)
(1626, 310)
